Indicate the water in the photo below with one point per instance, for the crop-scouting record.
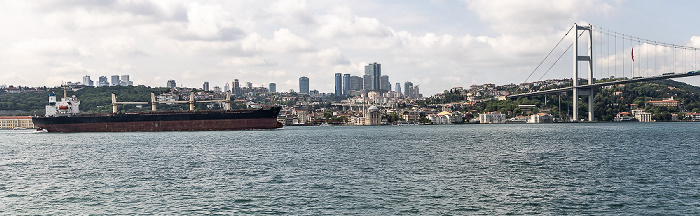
(553, 169)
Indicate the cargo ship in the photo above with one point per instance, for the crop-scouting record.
(65, 116)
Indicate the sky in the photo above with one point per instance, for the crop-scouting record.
(435, 44)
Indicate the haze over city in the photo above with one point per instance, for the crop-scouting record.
(436, 44)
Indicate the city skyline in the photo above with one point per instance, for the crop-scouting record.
(439, 44)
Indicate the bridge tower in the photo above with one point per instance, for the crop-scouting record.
(582, 91)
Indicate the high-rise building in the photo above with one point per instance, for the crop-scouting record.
(217, 89)
(87, 81)
(171, 84)
(205, 86)
(273, 87)
(249, 85)
(398, 88)
(367, 82)
(227, 87)
(408, 89)
(356, 83)
(124, 81)
(115, 80)
(346, 84)
(375, 72)
(338, 84)
(102, 82)
(303, 85)
(236, 87)
(384, 83)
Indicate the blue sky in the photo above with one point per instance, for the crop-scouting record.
(437, 44)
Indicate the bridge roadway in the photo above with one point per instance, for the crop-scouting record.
(595, 85)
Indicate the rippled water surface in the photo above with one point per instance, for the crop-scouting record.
(552, 169)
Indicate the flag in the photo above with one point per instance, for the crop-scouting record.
(632, 54)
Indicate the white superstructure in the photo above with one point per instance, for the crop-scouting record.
(66, 107)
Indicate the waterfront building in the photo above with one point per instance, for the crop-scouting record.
(303, 85)
(623, 116)
(642, 116)
(373, 116)
(692, 116)
(273, 87)
(13, 122)
(346, 84)
(338, 84)
(115, 80)
(541, 118)
(102, 81)
(492, 118)
(373, 71)
(205, 86)
(87, 81)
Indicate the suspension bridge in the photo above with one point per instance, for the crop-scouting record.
(620, 56)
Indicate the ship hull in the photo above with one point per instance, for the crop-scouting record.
(164, 121)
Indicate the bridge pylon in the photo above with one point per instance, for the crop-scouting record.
(583, 91)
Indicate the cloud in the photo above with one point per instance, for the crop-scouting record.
(283, 41)
(247, 61)
(535, 16)
(121, 46)
(294, 11)
(343, 23)
(46, 47)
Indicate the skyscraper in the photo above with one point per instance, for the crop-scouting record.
(125, 81)
(384, 83)
(249, 85)
(408, 89)
(236, 87)
(205, 86)
(171, 84)
(115, 80)
(273, 87)
(303, 85)
(103, 81)
(338, 84)
(375, 72)
(356, 83)
(367, 82)
(87, 81)
(398, 88)
(346, 84)
(227, 87)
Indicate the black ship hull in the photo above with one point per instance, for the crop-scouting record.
(218, 120)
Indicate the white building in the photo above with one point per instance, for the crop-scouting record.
(492, 118)
(642, 116)
(541, 118)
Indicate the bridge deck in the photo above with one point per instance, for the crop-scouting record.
(640, 79)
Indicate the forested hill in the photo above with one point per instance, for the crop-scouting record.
(92, 100)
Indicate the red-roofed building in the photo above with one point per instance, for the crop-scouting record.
(665, 103)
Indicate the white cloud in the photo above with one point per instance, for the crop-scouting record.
(120, 46)
(247, 61)
(283, 41)
(535, 16)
